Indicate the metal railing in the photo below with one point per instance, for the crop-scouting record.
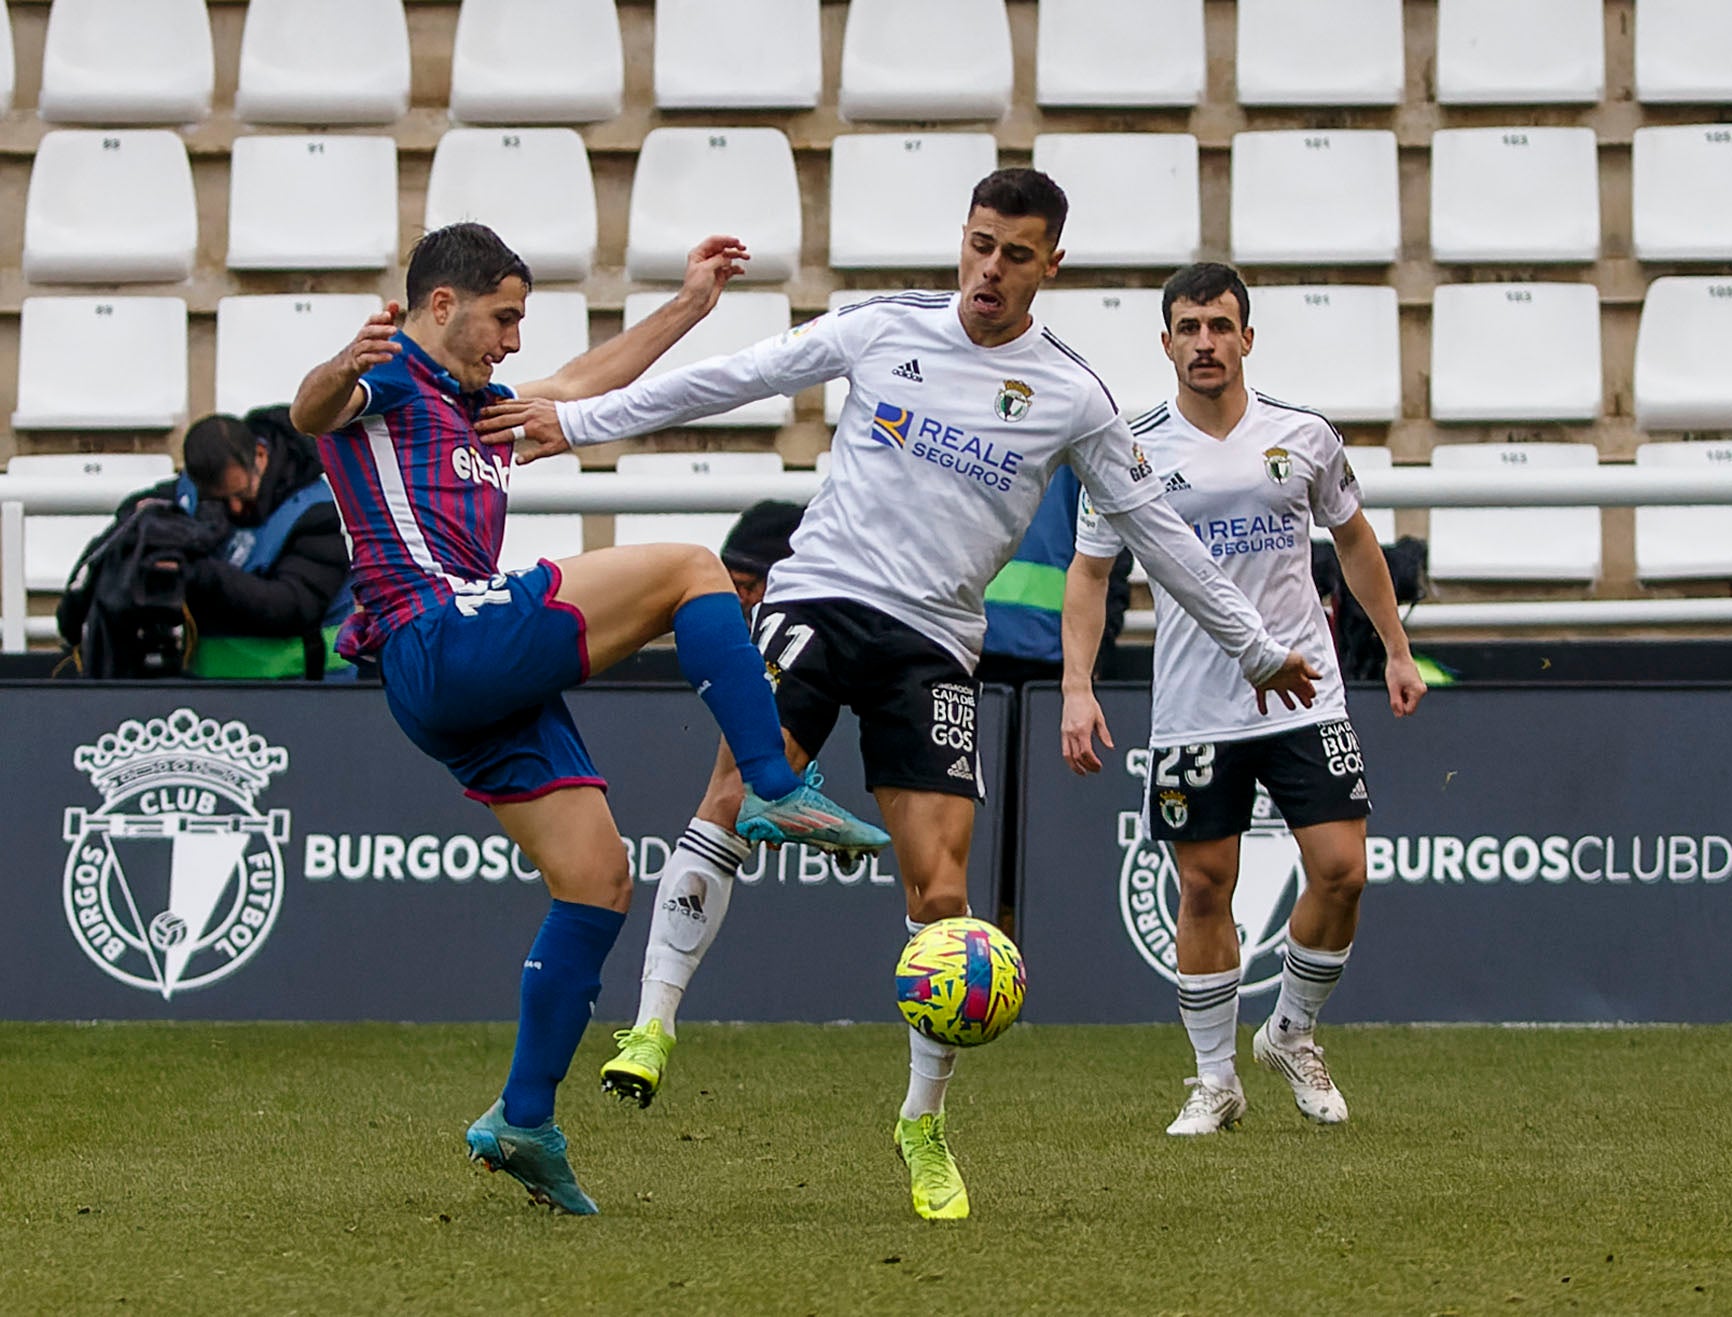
(602, 492)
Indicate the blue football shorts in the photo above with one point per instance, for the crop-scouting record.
(479, 682)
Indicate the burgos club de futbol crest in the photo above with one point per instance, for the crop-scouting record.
(1269, 883)
(175, 880)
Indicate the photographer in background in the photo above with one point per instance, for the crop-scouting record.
(236, 568)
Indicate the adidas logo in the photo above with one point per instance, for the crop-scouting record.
(962, 769)
(692, 907)
(1358, 792)
(909, 370)
(1177, 484)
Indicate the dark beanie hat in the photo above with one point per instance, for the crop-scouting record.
(759, 539)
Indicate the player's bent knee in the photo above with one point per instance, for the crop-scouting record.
(592, 881)
(930, 907)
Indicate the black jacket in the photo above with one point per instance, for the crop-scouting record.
(291, 597)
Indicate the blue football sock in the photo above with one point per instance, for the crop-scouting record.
(717, 656)
(561, 978)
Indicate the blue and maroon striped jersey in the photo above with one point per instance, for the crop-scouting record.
(422, 495)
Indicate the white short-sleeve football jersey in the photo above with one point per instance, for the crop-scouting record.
(1251, 498)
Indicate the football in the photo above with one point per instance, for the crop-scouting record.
(960, 981)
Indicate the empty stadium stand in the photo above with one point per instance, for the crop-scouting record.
(738, 54)
(1134, 197)
(693, 181)
(530, 185)
(322, 202)
(127, 61)
(1320, 52)
(1285, 134)
(110, 206)
(536, 61)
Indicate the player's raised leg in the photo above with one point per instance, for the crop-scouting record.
(630, 596)
(569, 835)
(931, 833)
(1319, 938)
(1208, 947)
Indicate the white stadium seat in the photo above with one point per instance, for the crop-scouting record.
(1515, 352)
(1514, 544)
(1365, 457)
(739, 320)
(1333, 347)
(1134, 197)
(1315, 198)
(536, 61)
(1515, 194)
(532, 186)
(1687, 542)
(101, 363)
(312, 203)
(1109, 53)
(912, 59)
(1684, 51)
(8, 73)
(1321, 52)
(324, 61)
(706, 528)
(110, 207)
(126, 61)
(1118, 332)
(532, 536)
(1493, 52)
(555, 329)
(266, 343)
(52, 543)
(930, 176)
(738, 54)
(1682, 186)
(1682, 350)
(693, 181)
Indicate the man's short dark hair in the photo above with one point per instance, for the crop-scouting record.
(468, 257)
(1202, 283)
(214, 444)
(1018, 192)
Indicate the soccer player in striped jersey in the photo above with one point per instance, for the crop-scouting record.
(475, 663)
(961, 407)
(1251, 474)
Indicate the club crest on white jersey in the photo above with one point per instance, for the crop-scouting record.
(170, 918)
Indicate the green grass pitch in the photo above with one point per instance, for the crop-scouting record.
(269, 1169)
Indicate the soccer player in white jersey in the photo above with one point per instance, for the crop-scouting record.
(1250, 474)
(961, 407)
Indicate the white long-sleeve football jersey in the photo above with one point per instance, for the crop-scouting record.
(1250, 499)
(940, 459)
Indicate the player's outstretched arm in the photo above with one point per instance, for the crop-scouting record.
(785, 364)
(1174, 559)
(710, 266)
(331, 393)
(1083, 621)
(1366, 572)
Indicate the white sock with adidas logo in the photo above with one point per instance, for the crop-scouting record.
(1308, 976)
(691, 899)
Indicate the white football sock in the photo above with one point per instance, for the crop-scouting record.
(691, 899)
(1209, 1006)
(1308, 976)
(930, 1065)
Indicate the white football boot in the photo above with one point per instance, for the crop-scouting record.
(1313, 1090)
(1208, 1109)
